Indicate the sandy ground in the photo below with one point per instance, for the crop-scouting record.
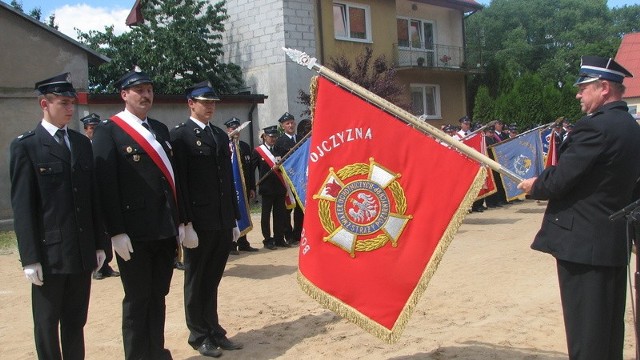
(491, 298)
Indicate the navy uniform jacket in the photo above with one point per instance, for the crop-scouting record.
(247, 170)
(283, 144)
(55, 203)
(136, 197)
(203, 168)
(597, 169)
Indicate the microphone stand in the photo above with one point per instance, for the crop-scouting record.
(632, 214)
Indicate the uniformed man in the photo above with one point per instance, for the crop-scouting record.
(595, 176)
(465, 128)
(249, 180)
(284, 143)
(138, 194)
(271, 190)
(209, 210)
(89, 123)
(56, 220)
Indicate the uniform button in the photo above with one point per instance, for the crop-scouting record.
(78, 209)
(75, 189)
(126, 207)
(80, 230)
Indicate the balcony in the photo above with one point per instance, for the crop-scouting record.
(445, 57)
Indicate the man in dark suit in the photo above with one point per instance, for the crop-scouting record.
(271, 190)
(138, 194)
(56, 220)
(209, 210)
(89, 124)
(244, 154)
(285, 142)
(595, 176)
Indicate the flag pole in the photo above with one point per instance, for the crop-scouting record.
(311, 63)
(490, 123)
(297, 145)
(545, 126)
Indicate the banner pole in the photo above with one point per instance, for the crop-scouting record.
(303, 59)
(277, 166)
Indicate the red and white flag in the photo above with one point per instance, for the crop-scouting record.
(383, 203)
(552, 154)
(478, 142)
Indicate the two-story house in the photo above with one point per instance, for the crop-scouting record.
(423, 38)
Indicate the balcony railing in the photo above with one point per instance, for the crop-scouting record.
(441, 56)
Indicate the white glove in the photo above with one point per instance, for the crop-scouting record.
(180, 234)
(190, 237)
(33, 273)
(236, 233)
(100, 257)
(122, 245)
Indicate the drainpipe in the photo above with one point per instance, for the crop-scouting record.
(250, 117)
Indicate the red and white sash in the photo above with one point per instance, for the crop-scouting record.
(264, 152)
(131, 125)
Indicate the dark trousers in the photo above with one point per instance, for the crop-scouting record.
(275, 205)
(146, 278)
(593, 304)
(108, 252)
(293, 233)
(203, 269)
(59, 314)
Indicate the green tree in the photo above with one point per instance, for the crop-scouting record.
(376, 75)
(513, 39)
(35, 13)
(178, 44)
(483, 111)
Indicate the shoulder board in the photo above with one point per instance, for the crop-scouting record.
(26, 135)
(180, 125)
(105, 121)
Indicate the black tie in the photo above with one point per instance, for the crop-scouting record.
(294, 138)
(146, 126)
(60, 134)
(209, 131)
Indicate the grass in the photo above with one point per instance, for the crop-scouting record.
(7, 240)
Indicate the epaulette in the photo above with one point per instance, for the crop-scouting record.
(26, 135)
(105, 121)
(180, 125)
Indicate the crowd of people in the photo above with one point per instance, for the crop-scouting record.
(133, 186)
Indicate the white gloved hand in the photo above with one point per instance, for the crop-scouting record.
(236, 233)
(100, 257)
(190, 237)
(33, 272)
(180, 234)
(122, 245)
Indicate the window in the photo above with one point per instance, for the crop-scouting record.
(415, 34)
(425, 100)
(351, 22)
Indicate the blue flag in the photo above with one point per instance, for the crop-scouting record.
(296, 170)
(545, 136)
(523, 156)
(244, 223)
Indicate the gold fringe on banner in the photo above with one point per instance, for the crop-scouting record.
(313, 93)
(391, 336)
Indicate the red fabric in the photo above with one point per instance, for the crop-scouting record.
(135, 16)
(149, 149)
(552, 156)
(477, 141)
(435, 179)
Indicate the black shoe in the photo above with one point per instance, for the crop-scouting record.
(477, 210)
(110, 273)
(98, 275)
(270, 246)
(247, 248)
(234, 252)
(207, 349)
(282, 243)
(227, 344)
(294, 243)
(178, 265)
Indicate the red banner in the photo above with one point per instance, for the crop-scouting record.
(552, 156)
(383, 203)
(477, 141)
